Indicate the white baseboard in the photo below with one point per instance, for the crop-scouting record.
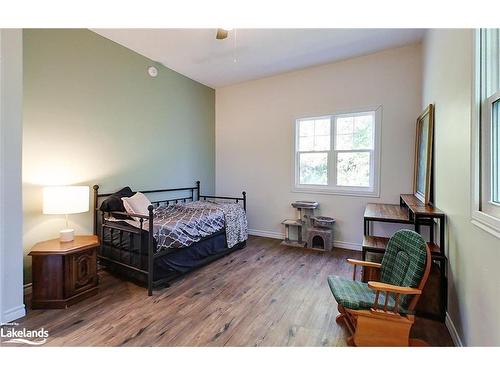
(280, 236)
(14, 313)
(453, 331)
(347, 245)
(265, 233)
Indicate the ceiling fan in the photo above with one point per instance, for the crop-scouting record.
(222, 33)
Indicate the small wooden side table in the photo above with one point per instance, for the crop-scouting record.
(64, 272)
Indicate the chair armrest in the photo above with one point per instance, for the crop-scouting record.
(383, 287)
(363, 263)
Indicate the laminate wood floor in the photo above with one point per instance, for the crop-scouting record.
(264, 295)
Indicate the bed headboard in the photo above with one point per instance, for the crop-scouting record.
(193, 194)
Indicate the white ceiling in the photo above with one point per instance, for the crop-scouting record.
(254, 53)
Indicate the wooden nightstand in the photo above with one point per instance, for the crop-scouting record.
(64, 272)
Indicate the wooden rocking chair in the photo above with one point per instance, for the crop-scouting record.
(382, 313)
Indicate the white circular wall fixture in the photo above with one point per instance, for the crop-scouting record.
(152, 71)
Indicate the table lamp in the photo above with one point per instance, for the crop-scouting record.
(64, 200)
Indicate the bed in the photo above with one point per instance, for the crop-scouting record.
(182, 231)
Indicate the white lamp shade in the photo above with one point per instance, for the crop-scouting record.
(65, 199)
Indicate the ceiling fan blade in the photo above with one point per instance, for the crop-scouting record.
(221, 34)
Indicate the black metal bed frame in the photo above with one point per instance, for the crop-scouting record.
(151, 283)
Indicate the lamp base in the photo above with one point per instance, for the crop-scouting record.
(66, 235)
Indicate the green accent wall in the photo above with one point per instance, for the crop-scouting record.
(92, 115)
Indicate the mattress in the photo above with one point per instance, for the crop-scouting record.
(124, 248)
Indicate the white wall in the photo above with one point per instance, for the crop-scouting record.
(11, 252)
(254, 135)
(474, 255)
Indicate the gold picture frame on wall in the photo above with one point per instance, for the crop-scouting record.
(423, 155)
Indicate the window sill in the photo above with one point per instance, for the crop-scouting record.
(371, 194)
(486, 222)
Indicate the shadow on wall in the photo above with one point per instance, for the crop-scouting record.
(451, 243)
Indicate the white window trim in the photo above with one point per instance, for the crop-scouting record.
(344, 190)
(479, 218)
(493, 207)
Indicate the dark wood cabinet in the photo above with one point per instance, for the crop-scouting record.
(64, 272)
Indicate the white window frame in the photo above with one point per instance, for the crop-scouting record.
(484, 212)
(332, 188)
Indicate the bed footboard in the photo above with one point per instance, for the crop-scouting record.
(242, 199)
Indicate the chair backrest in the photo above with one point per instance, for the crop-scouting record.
(404, 262)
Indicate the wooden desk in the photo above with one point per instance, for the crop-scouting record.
(418, 206)
(389, 213)
(409, 211)
(376, 244)
(422, 214)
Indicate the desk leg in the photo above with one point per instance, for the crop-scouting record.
(441, 234)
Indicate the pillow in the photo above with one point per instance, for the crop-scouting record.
(114, 202)
(136, 204)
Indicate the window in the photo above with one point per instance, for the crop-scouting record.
(314, 147)
(486, 132)
(338, 153)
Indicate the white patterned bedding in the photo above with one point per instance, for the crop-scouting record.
(181, 225)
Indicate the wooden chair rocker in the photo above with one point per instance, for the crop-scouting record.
(381, 313)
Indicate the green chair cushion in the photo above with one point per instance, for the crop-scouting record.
(403, 264)
(404, 260)
(356, 295)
